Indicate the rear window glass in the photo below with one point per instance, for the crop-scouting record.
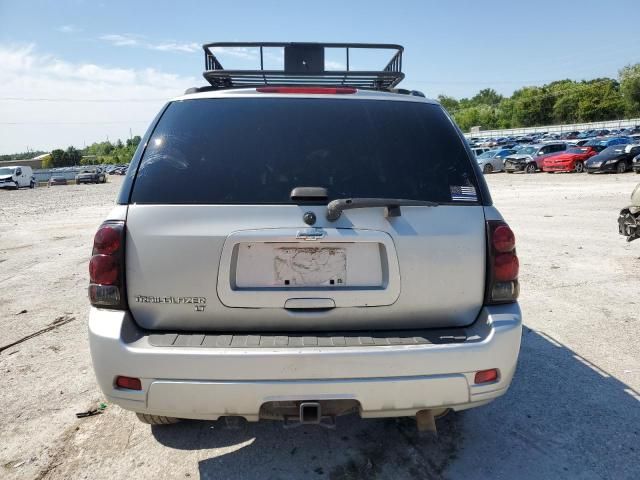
(255, 151)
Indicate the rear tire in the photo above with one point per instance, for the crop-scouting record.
(32, 185)
(488, 168)
(156, 419)
(530, 168)
(579, 167)
(621, 167)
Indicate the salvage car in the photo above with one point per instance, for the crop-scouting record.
(530, 158)
(16, 177)
(570, 161)
(91, 175)
(493, 160)
(302, 252)
(616, 159)
(57, 180)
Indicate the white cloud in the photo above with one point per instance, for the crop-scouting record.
(121, 40)
(77, 102)
(69, 28)
(133, 40)
(238, 52)
(140, 41)
(175, 47)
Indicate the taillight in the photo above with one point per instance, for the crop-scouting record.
(308, 90)
(502, 264)
(130, 383)
(106, 267)
(486, 376)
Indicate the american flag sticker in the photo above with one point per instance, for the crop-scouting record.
(460, 193)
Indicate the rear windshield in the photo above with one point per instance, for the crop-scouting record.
(255, 151)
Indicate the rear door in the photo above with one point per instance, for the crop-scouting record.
(215, 241)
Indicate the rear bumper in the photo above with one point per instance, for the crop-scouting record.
(392, 380)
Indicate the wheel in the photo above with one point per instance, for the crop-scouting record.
(488, 168)
(530, 168)
(156, 419)
(621, 167)
(579, 167)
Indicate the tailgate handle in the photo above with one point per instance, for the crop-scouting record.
(309, 303)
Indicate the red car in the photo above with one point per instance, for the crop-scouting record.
(570, 161)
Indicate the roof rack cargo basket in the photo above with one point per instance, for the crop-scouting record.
(304, 65)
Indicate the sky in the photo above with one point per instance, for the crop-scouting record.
(75, 72)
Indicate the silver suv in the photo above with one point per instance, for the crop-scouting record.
(302, 252)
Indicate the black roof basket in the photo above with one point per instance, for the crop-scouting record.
(303, 65)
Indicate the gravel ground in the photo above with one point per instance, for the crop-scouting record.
(573, 410)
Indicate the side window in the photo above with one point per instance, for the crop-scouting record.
(18, 171)
(544, 150)
(561, 147)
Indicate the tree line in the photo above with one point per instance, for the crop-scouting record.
(98, 153)
(14, 157)
(559, 102)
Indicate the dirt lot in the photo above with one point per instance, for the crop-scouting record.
(573, 410)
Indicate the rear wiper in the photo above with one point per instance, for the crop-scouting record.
(336, 207)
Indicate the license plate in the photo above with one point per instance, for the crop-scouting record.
(310, 267)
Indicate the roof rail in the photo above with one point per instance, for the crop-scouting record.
(303, 65)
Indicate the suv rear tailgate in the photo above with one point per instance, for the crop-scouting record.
(431, 263)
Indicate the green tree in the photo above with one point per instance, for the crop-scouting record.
(72, 157)
(449, 103)
(505, 113)
(57, 158)
(532, 106)
(467, 118)
(133, 142)
(487, 96)
(630, 88)
(600, 100)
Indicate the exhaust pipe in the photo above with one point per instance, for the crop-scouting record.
(426, 422)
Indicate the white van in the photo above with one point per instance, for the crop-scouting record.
(16, 177)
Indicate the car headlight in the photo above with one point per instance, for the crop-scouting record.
(612, 160)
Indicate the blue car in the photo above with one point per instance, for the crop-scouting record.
(608, 142)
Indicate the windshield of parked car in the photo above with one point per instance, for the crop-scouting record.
(255, 151)
(6, 171)
(611, 151)
(527, 151)
(489, 154)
